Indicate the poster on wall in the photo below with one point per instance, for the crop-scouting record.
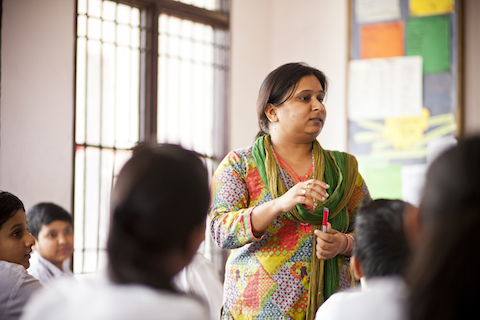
(402, 90)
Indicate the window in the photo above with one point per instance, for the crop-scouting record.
(145, 71)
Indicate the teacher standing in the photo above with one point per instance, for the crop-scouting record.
(268, 202)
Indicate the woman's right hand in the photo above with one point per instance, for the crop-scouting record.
(303, 193)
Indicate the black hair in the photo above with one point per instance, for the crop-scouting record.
(440, 275)
(160, 197)
(9, 205)
(45, 213)
(381, 246)
(451, 183)
(279, 85)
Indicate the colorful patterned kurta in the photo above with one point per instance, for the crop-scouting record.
(267, 277)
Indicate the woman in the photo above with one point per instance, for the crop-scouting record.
(268, 199)
(153, 235)
(442, 276)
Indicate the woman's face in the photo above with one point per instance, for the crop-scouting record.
(15, 241)
(302, 116)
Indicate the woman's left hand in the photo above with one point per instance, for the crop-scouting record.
(329, 243)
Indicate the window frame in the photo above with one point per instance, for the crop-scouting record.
(150, 10)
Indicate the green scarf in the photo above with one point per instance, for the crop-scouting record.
(337, 169)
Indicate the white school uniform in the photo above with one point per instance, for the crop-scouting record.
(99, 299)
(384, 298)
(16, 287)
(45, 271)
(201, 279)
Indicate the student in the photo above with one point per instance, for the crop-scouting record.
(51, 226)
(16, 285)
(201, 279)
(442, 276)
(379, 260)
(158, 211)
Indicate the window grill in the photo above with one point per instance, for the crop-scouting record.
(145, 71)
(106, 117)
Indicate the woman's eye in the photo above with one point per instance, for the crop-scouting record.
(52, 235)
(306, 98)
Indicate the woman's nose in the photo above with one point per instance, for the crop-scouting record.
(317, 105)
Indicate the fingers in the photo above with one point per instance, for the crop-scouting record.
(325, 250)
(314, 189)
(328, 243)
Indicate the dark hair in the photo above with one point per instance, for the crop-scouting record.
(451, 183)
(279, 85)
(9, 205)
(161, 196)
(45, 213)
(441, 276)
(381, 246)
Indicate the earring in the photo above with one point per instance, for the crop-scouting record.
(274, 127)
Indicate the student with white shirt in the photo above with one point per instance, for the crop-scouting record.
(51, 225)
(379, 260)
(201, 279)
(158, 212)
(16, 285)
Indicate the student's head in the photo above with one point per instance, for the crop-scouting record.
(159, 206)
(441, 276)
(15, 241)
(381, 247)
(451, 186)
(279, 85)
(51, 225)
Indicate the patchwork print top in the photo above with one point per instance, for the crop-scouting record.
(267, 277)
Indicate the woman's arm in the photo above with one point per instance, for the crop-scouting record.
(242, 208)
(232, 203)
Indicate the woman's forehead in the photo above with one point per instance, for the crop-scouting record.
(309, 82)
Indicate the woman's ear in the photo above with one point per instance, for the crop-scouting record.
(271, 113)
(356, 268)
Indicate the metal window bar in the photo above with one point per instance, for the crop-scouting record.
(107, 117)
(192, 80)
(115, 153)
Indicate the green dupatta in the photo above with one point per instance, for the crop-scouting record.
(337, 169)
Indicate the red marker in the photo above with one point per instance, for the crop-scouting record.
(325, 219)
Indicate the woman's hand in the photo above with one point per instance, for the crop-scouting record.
(303, 193)
(330, 243)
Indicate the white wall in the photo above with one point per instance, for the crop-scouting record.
(36, 128)
(269, 33)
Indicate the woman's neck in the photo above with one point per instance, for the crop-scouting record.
(288, 149)
(298, 156)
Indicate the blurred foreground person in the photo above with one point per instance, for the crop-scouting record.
(158, 213)
(442, 275)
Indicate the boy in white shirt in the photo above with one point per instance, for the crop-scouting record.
(379, 260)
(51, 225)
